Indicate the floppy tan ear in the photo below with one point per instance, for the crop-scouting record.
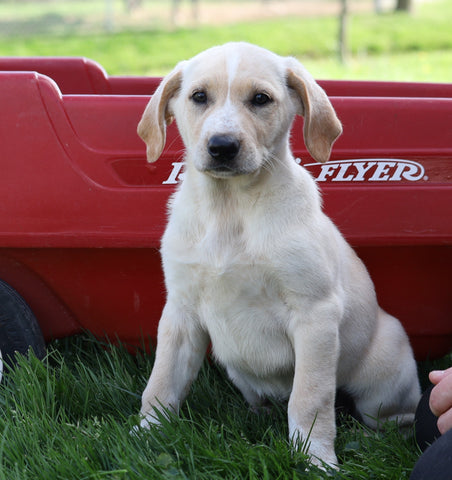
(321, 125)
(157, 115)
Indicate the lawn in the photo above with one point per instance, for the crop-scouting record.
(69, 417)
(388, 46)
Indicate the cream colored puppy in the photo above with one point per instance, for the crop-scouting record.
(251, 263)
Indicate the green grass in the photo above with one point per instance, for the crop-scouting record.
(389, 46)
(69, 417)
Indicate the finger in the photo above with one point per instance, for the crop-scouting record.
(441, 396)
(445, 422)
(436, 376)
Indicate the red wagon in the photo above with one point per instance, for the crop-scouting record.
(82, 213)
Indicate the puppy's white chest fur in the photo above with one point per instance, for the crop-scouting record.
(235, 294)
(242, 312)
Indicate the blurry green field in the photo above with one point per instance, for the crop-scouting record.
(389, 46)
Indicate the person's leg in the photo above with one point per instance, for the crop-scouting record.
(426, 430)
(436, 461)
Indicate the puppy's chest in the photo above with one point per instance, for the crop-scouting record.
(237, 297)
(222, 266)
(227, 273)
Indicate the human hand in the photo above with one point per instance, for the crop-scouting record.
(441, 398)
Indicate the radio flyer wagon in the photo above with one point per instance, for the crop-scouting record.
(82, 213)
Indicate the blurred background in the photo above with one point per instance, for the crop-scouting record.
(409, 40)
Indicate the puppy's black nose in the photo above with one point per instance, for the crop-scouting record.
(223, 147)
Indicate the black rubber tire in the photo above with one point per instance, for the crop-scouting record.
(19, 329)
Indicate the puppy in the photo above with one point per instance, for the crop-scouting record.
(251, 262)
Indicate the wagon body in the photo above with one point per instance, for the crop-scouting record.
(82, 213)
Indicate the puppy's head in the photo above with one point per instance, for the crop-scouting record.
(234, 106)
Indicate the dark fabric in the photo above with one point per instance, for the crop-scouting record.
(436, 461)
(426, 430)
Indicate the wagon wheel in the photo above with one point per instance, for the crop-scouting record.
(19, 329)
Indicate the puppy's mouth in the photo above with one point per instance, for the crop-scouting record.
(223, 170)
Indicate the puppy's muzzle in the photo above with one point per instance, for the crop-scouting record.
(223, 150)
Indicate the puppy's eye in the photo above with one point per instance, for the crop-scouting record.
(199, 97)
(260, 99)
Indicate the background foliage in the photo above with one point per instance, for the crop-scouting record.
(390, 46)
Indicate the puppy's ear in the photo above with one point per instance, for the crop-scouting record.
(321, 125)
(158, 115)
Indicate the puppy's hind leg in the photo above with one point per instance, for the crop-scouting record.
(386, 386)
(181, 347)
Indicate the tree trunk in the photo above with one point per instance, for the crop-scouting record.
(378, 6)
(404, 6)
(109, 16)
(342, 40)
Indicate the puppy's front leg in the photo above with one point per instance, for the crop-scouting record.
(311, 414)
(181, 347)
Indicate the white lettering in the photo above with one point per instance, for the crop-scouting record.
(398, 173)
(408, 171)
(381, 172)
(359, 170)
(340, 177)
(175, 175)
(362, 170)
(327, 171)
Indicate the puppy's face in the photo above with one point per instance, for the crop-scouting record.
(233, 110)
(234, 106)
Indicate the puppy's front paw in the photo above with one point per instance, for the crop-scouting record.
(146, 422)
(322, 458)
(321, 453)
